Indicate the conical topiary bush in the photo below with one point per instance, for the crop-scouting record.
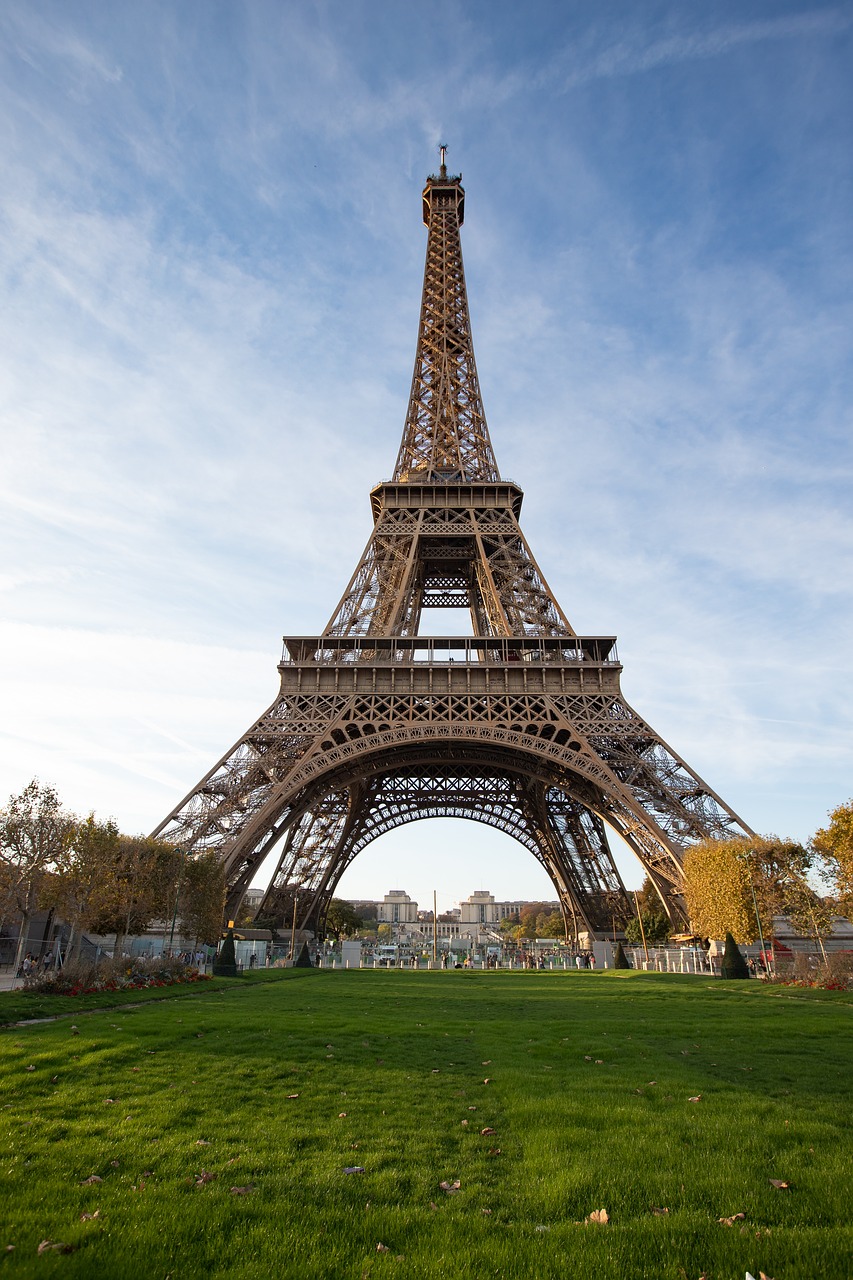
(303, 960)
(225, 964)
(620, 960)
(734, 965)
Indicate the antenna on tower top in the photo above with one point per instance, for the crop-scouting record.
(443, 153)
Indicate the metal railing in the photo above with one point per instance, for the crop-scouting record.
(451, 650)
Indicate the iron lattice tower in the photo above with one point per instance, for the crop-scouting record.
(521, 725)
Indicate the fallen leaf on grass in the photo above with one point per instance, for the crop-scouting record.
(342, 1115)
(202, 1142)
(487, 1080)
(698, 1098)
(730, 1222)
(242, 1191)
(587, 1057)
(354, 1168)
(599, 1062)
(435, 1071)
(433, 1205)
(382, 1248)
(659, 1212)
(472, 1108)
(90, 1217)
(57, 1245)
(599, 1215)
(494, 1151)
(31, 1068)
(450, 1188)
(485, 1211)
(204, 1177)
(88, 1182)
(486, 1131)
(292, 1095)
(487, 1063)
(779, 1185)
(465, 1122)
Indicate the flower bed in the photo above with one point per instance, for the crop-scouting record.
(822, 984)
(113, 975)
(832, 973)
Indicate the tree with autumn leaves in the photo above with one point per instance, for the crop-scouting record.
(34, 833)
(535, 920)
(732, 885)
(97, 879)
(833, 845)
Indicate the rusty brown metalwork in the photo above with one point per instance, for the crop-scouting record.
(521, 726)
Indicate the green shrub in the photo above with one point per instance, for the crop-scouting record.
(225, 964)
(734, 965)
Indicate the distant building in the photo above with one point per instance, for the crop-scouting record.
(479, 910)
(397, 908)
(475, 921)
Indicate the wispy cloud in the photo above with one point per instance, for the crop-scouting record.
(639, 53)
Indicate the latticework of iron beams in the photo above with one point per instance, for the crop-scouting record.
(522, 725)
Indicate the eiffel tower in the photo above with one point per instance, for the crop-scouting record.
(521, 725)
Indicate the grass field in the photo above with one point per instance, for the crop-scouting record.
(221, 1126)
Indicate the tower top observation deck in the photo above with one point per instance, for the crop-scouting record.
(444, 191)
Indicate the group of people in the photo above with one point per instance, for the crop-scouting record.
(580, 959)
(34, 964)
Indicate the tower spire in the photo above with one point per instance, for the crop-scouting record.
(445, 437)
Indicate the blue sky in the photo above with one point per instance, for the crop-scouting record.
(211, 255)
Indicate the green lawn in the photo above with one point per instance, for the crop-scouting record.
(590, 1080)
